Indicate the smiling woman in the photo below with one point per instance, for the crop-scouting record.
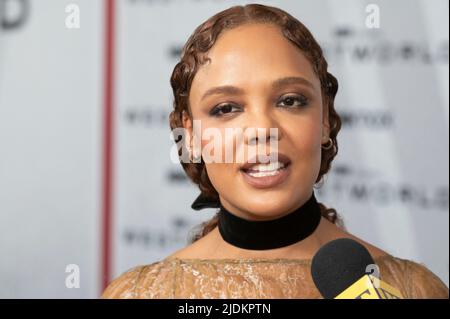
(256, 66)
(265, 71)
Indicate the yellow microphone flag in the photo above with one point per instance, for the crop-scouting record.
(370, 287)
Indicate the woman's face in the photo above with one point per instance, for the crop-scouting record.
(254, 59)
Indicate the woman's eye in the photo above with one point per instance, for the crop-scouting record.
(290, 101)
(293, 101)
(223, 109)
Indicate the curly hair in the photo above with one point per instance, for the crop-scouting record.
(193, 55)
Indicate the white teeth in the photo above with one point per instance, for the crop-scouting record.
(261, 170)
(262, 174)
(267, 167)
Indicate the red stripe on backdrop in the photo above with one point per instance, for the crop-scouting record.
(108, 143)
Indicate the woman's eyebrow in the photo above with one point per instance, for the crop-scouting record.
(291, 80)
(277, 84)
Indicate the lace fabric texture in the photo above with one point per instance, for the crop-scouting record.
(256, 278)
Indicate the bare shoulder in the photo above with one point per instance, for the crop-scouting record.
(201, 248)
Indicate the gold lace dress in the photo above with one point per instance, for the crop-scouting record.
(257, 278)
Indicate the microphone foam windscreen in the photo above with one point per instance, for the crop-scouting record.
(339, 264)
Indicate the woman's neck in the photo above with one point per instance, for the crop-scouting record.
(304, 249)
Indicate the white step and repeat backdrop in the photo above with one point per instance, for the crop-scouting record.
(73, 215)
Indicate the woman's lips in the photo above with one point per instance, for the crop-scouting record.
(267, 181)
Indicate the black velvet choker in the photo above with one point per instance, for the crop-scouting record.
(271, 234)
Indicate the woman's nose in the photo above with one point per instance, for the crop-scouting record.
(261, 128)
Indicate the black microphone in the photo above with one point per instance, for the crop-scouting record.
(342, 269)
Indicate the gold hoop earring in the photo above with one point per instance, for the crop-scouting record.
(328, 145)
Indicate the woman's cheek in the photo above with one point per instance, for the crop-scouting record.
(220, 171)
(221, 177)
(219, 146)
(212, 145)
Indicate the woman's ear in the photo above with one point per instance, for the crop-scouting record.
(187, 122)
(188, 129)
(192, 139)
